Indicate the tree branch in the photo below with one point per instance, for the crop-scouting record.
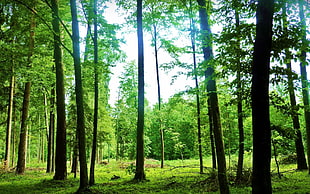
(60, 20)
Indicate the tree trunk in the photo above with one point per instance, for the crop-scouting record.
(14, 134)
(94, 148)
(9, 124)
(213, 152)
(212, 93)
(239, 105)
(51, 129)
(75, 156)
(261, 182)
(303, 72)
(161, 130)
(140, 175)
(193, 44)
(300, 152)
(61, 143)
(79, 98)
(21, 163)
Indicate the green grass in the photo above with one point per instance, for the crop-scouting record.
(177, 177)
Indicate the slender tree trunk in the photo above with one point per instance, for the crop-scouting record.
(300, 151)
(75, 156)
(21, 163)
(94, 148)
(61, 143)
(213, 151)
(14, 136)
(301, 158)
(79, 98)
(161, 130)
(261, 182)
(140, 175)
(212, 93)
(50, 142)
(28, 140)
(193, 42)
(239, 106)
(9, 124)
(303, 71)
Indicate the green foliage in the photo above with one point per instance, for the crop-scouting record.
(179, 125)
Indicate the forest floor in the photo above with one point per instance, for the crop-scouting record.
(177, 177)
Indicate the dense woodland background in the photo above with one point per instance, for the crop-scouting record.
(218, 111)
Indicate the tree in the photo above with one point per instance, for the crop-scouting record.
(94, 148)
(21, 163)
(303, 72)
(60, 155)
(301, 158)
(79, 98)
(9, 123)
(161, 130)
(261, 182)
(140, 175)
(50, 165)
(195, 69)
(212, 95)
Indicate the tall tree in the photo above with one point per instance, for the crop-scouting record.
(79, 98)
(21, 162)
(140, 174)
(161, 130)
(9, 123)
(261, 182)
(193, 45)
(60, 154)
(303, 72)
(300, 152)
(239, 98)
(94, 148)
(212, 94)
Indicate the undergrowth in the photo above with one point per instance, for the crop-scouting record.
(177, 177)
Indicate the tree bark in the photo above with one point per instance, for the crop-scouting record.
(212, 93)
(79, 98)
(161, 130)
(94, 148)
(60, 154)
(51, 129)
(21, 162)
(239, 105)
(261, 182)
(213, 151)
(9, 124)
(303, 72)
(140, 174)
(193, 44)
(300, 152)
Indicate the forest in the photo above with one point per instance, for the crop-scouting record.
(148, 96)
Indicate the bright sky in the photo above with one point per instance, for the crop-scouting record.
(167, 90)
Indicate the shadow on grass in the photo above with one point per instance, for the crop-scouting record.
(171, 184)
(24, 184)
